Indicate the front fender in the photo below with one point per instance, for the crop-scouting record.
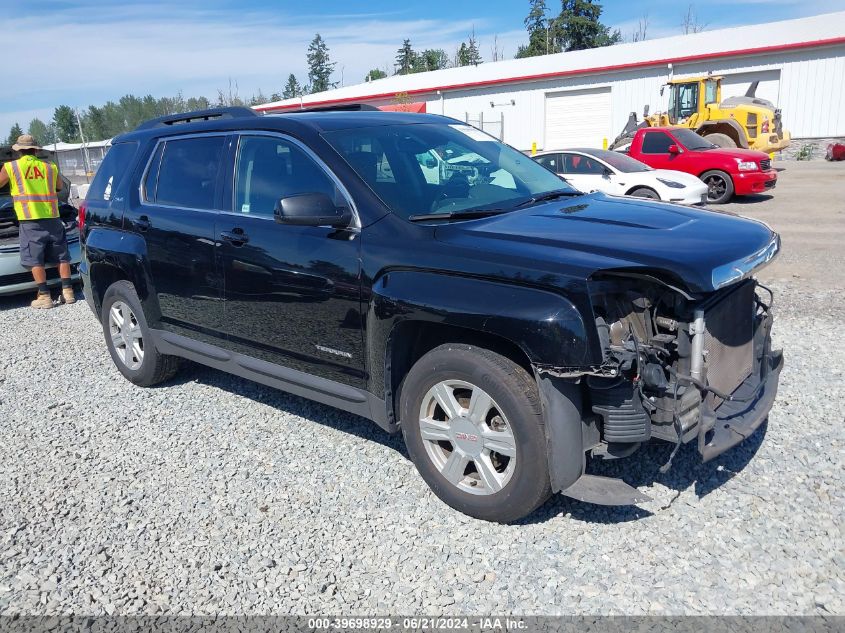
(109, 252)
(546, 326)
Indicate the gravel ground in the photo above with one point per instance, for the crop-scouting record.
(214, 495)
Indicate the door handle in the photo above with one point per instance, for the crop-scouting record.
(236, 237)
(143, 223)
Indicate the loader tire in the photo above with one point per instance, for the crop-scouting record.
(722, 140)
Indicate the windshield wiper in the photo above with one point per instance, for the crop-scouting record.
(549, 195)
(463, 215)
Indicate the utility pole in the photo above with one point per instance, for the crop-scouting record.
(85, 157)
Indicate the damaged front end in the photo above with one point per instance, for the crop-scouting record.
(680, 367)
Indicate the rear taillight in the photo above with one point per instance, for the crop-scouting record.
(80, 217)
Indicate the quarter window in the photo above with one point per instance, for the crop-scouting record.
(656, 143)
(188, 174)
(271, 168)
(111, 172)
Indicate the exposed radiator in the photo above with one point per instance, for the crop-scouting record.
(729, 340)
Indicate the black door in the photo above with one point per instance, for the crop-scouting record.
(292, 293)
(175, 213)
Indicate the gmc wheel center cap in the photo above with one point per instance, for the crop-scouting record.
(465, 436)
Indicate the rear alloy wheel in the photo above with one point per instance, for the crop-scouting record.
(720, 187)
(130, 340)
(474, 428)
(126, 337)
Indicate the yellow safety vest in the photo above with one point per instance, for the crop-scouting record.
(33, 184)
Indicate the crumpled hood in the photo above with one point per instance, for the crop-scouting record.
(705, 249)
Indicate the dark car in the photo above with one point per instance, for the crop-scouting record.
(508, 325)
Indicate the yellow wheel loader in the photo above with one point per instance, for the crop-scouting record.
(696, 103)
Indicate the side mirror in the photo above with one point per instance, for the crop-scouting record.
(674, 149)
(661, 90)
(645, 110)
(606, 173)
(311, 209)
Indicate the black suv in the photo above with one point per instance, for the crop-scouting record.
(415, 271)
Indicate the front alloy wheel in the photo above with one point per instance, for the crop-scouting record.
(474, 428)
(720, 187)
(467, 437)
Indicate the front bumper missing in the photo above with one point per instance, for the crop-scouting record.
(737, 420)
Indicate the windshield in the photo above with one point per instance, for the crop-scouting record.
(620, 162)
(691, 140)
(438, 168)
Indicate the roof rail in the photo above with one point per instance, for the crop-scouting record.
(198, 115)
(345, 107)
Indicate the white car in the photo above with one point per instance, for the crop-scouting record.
(617, 174)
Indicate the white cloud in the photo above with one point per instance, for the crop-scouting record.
(89, 55)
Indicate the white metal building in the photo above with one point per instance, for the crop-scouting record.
(583, 97)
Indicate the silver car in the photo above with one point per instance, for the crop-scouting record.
(14, 278)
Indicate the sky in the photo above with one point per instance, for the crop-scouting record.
(82, 52)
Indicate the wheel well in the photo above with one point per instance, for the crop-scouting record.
(103, 276)
(633, 189)
(410, 340)
(722, 171)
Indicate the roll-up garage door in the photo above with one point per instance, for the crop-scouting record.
(577, 118)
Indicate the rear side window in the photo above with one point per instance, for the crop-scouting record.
(187, 175)
(111, 172)
(579, 164)
(656, 143)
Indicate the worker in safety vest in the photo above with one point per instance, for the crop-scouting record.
(34, 185)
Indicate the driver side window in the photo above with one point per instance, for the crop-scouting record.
(656, 143)
(270, 168)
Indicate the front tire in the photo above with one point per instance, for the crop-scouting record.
(473, 426)
(722, 140)
(720, 186)
(129, 339)
(644, 192)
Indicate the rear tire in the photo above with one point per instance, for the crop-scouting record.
(129, 339)
(483, 452)
(722, 140)
(720, 186)
(644, 192)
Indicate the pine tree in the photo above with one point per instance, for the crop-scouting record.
(65, 121)
(42, 133)
(405, 59)
(320, 66)
(14, 133)
(292, 88)
(473, 54)
(539, 42)
(578, 27)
